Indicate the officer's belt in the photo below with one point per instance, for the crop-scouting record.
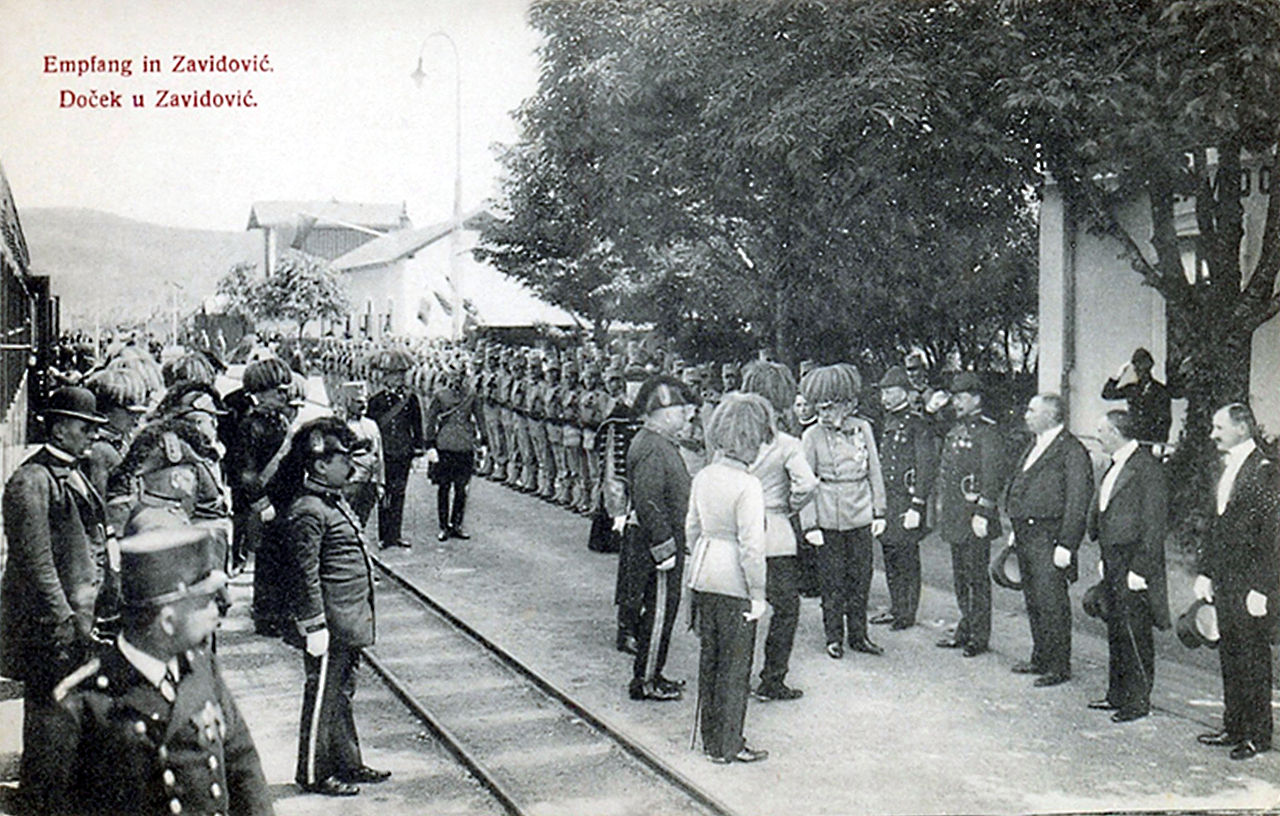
(832, 480)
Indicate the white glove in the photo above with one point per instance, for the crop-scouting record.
(433, 456)
(317, 642)
(1102, 570)
(1061, 557)
(878, 527)
(814, 537)
(937, 401)
(1136, 582)
(756, 611)
(1256, 603)
(911, 519)
(268, 513)
(1203, 588)
(619, 523)
(668, 564)
(979, 526)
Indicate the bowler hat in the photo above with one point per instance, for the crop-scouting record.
(1004, 570)
(76, 402)
(1198, 626)
(895, 377)
(967, 382)
(164, 565)
(1095, 602)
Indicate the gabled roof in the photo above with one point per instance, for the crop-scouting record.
(391, 247)
(374, 216)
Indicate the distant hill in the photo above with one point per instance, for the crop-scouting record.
(117, 267)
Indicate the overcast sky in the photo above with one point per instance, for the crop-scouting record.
(337, 117)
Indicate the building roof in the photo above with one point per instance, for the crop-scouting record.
(374, 216)
(391, 247)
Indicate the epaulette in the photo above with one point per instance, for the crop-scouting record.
(77, 677)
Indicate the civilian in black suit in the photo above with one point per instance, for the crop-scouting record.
(1048, 503)
(1240, 572)
(1128, 519)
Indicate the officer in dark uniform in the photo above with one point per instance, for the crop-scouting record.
(969, 482)
(909, 461)
(147, 725)
(398, 412)
(332, 593)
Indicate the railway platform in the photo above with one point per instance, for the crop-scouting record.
(918, 730)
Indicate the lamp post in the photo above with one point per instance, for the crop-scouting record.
(419, 76)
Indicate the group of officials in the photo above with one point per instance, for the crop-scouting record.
(152, 487)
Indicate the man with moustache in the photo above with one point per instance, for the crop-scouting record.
(1240, 574)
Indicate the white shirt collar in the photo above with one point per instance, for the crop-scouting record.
(1123, 453)
(1045, 438)
(59, 454)
(1240, 452)
(149, 666)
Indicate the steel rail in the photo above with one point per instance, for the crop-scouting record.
(442, 732)
(635, 749)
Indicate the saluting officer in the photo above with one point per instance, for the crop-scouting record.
(147, 725)
(969, 481)
(909, 461)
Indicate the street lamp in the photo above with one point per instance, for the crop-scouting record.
(419, 76)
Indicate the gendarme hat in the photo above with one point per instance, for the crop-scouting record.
(895, 377)
(160, 566)
(76, 402)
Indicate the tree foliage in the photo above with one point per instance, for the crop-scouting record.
(299, 289)
(785, 175)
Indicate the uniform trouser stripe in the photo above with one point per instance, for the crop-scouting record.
(659, 619)
(316, 706)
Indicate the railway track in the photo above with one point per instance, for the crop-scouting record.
(530, 745)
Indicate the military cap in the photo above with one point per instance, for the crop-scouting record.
(612, 373)
(569, 366)
(1198, 626)
(73, 401)
(163, 565)
(355, 389)
(728, 368)
(967, 382)
(895, 377)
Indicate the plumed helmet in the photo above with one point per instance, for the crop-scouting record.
(189, 367)
(773, 381)
(118, 388)
(831, 383)
(267, 374)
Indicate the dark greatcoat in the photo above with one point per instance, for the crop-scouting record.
(331, 576)
(128, 750)
(1058, 486)
(53, 520)
(1131, 532)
